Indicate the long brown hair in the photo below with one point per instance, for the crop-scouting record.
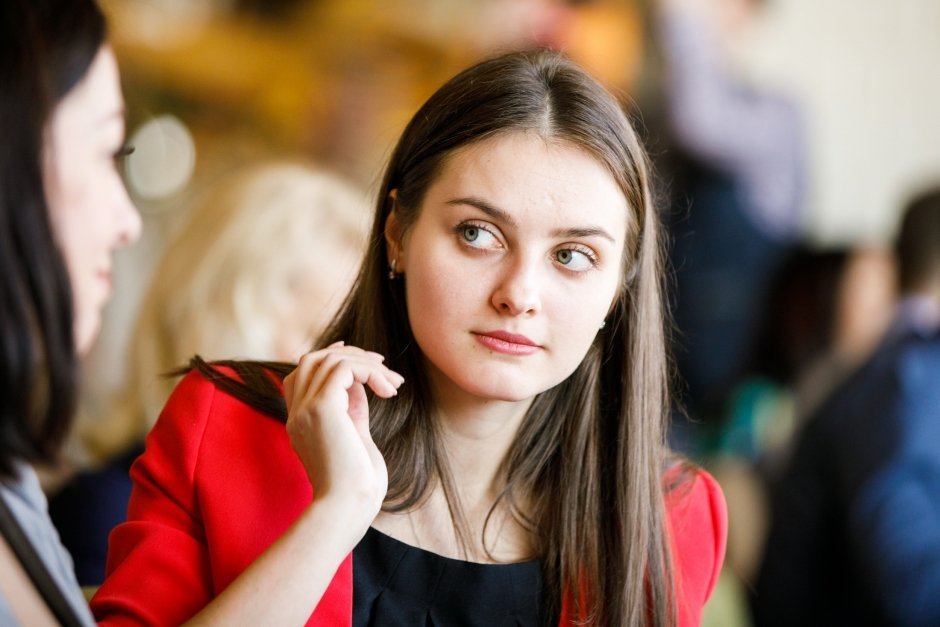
(589, 456)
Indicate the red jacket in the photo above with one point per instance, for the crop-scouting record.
(219, 483)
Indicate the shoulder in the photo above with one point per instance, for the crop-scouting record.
(194, 391)
(200, 406)
(203, 390)
(918, 365)
(189, 407)
(697, 520)
(24, 498)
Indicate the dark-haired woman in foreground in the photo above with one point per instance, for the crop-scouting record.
(63, 211)
(479, 440)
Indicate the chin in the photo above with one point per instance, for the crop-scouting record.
(507, 396)
(501, 389)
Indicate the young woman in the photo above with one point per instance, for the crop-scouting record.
(479, 441)
(63, 211)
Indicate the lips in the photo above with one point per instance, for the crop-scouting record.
(507, 343)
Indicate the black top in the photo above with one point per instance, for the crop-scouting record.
(396, 584)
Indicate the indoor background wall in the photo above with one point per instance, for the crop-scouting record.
(867, 74)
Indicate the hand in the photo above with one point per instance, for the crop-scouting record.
(328, 425)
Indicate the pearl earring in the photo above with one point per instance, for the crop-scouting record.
(391, 270)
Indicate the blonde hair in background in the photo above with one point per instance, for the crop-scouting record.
(256, 271)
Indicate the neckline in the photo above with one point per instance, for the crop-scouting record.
(387, 539)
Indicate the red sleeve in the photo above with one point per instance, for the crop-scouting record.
(158, 570)
(698, 524)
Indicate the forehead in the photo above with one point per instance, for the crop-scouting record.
(535, 179)
(96, 101)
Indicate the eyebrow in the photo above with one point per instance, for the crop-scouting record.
(501, 216)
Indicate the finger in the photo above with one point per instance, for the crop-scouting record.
(304, 378)
(328, 392)
(382, 380)
(309, 362)
(297, 382)
(289, 387)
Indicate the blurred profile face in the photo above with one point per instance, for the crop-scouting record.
(866, 300)
(90, 210)
(511, 266)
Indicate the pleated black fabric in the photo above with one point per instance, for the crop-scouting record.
(398, 585)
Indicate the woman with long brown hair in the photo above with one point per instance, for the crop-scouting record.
(479, 438)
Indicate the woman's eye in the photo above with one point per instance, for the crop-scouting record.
(122, 153)
(574, 260)
(476, 236)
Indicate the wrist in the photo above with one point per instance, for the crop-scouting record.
(342, 518)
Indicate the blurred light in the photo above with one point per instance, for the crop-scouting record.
(163, 160)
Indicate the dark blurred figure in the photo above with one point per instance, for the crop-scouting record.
(855, 531)
(796, 336)
(734, 163)
(826, 312)
(801, 313)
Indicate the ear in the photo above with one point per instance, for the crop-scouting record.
(393, 237)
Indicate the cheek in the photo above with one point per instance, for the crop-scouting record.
(70, 235)
(578, 315)
(75, 217)
(81, 228)
(80, 243)
(432, 293)
(577, 327)
(88, 292)
(443, 295)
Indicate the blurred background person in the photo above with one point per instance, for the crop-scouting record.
(261, 266)
(63, 212)
(855, 536)
(827, 309)
(734, 162)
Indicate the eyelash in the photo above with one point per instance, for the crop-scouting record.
(461, 228)
(123, 152)
(584, 250)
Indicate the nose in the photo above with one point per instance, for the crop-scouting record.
(127, 219)
(518, 291)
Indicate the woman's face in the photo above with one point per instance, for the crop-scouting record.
(512, 265)
(90, 210)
